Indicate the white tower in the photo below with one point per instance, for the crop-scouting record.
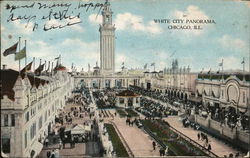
(107, 41)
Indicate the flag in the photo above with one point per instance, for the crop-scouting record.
(11, 50)
(39, 70)
(48, 67)
(122, 63)
(243, 61)
(209, 71)
(20, 55)
(153, 64)
(200, 72)
(57, 58)
(145, 66)
(27, 68)
(221, 64)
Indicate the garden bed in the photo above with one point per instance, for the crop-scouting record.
(116, 142)
(178, 146)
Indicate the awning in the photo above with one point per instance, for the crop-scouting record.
(195, 99)
(37, 147)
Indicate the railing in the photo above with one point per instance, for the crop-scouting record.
(209, 153)
(130, 153)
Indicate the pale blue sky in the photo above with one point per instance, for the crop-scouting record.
(138, 39)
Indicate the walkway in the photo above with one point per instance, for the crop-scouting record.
(138, 141)
(218, 147)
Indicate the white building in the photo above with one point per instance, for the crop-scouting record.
(28, 108)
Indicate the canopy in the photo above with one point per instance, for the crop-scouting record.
(78, 129)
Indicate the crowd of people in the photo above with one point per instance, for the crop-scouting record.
(226, 116)
(104, 98)
(152, 109)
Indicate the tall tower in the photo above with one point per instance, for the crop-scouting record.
(107, 41)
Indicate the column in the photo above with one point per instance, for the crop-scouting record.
(134, 102)
(117, 101)
(125, 102)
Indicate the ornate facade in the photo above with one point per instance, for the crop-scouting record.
(29, 106)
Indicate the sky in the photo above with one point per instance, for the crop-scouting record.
(139, 39)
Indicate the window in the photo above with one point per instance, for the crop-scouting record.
(12, 119)
(40, 122)
(45, 118)
(244, 97)
(32, 130)
(27, 115)
(6, 120)
(25, 139)
(6, 145)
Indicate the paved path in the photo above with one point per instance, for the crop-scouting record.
(139, 142)
(218, 147)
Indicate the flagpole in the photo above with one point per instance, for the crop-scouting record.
(34, 66)
(243, 64)
(26, 53)
(19, 51)
(51, 69)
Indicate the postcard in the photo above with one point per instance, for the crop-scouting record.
(125, 78)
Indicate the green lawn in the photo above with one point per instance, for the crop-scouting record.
(178, 146)
(116, 142)
(121, 112)
(131, 113)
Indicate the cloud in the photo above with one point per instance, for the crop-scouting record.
(22, 28)
(191, 13)
(128, 21)
(2, 28)
(95, 19)
(232, 43)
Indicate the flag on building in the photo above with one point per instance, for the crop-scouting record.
(145, 66)
(11, 50)
(48, 67)
(153, 64)
(20, 55)
(57, 58)
(39, 70)
(221, 64)
(27, 68)
(243, 61)
(209, 71)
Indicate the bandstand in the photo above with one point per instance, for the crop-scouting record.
(127, 99)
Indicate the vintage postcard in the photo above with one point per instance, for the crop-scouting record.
(125, 78)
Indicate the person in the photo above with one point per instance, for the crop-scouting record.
(60, 144)
(46, 142)
(48, 154)
(209, 147)
(52, 154)
(198, 135)
(154, 145)
(57, 153)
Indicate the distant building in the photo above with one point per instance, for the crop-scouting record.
(174, 81)
(229, 89)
